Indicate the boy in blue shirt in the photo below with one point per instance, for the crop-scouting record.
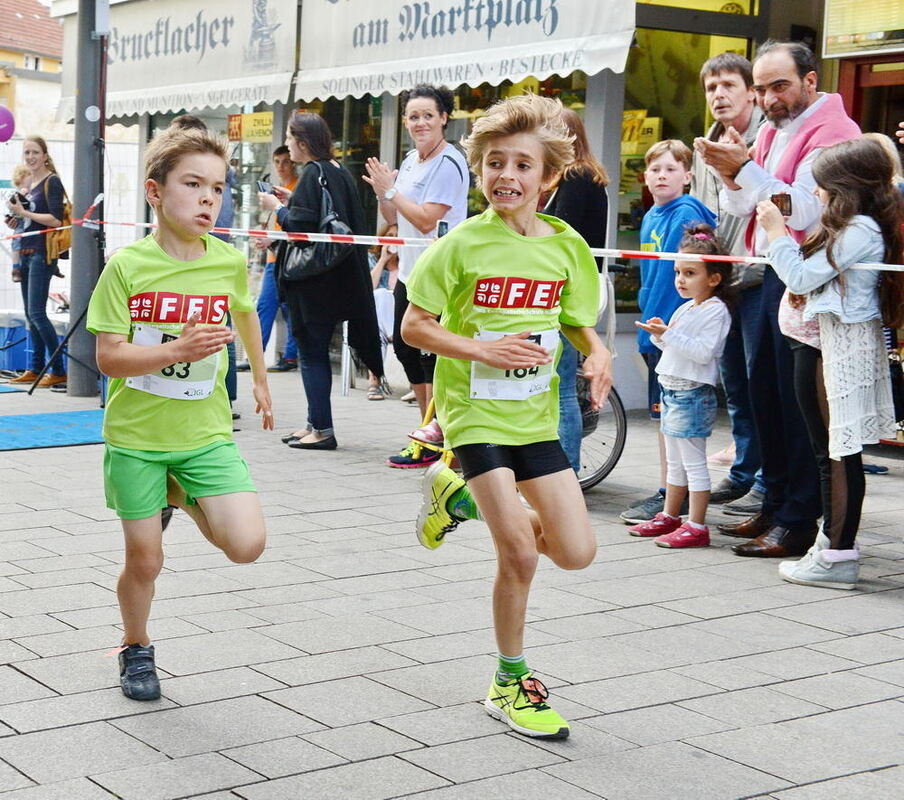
(667, 175)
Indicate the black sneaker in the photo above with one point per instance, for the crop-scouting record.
(284, 365)
(137, 675)
(725, 491)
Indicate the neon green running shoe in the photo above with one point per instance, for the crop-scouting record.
(522, 705)
(433, 520)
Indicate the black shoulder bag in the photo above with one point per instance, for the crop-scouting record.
(305, 260)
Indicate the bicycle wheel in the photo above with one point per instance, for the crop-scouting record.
(603, 437)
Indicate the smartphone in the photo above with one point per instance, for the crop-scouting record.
(783, 201)
(263, 186)
(442, 228)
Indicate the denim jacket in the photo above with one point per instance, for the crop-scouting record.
(858, 300)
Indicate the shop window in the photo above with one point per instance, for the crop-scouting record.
(663, 100)
(722, 6)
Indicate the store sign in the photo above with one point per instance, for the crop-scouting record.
(857, 28)
(350, 48)
(169, 55)
(257, 127)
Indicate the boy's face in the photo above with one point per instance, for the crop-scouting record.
(189, 202)
(513, 174)
(666, 178)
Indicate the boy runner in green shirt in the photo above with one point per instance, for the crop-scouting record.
(505, 283)
(158, 313)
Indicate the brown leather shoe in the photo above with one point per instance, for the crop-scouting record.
(749, 528)
(778, 542)
(26, 377)
(51, 380)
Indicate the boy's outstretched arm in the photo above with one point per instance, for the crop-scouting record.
(118, 358)
(597, 364)
(420, 329)
(249, 328)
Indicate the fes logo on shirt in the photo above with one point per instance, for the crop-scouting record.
(517, 294)
(174, 308)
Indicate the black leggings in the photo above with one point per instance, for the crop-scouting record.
(841, 482)
(418, 366)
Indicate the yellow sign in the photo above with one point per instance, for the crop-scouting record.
(257, 127)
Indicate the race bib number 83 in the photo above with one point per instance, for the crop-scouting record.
(490, 383)
(182, 380)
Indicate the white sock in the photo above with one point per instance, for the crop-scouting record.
(696, 526)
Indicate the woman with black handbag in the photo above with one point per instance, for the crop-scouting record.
(322, 285)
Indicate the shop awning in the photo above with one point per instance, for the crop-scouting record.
(455, 42)
(168, 55)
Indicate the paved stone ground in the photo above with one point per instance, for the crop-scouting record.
(349, 662)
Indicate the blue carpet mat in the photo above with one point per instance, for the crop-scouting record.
(62, 429)
(5, 388)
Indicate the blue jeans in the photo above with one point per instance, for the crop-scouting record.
(267, 306)
(789, 465)
(36, 275)
(735, 367)
(317, 372)
(570, 422)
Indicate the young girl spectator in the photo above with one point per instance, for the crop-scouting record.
(842, 386)
(17, 224)
(383, 261)
(688, 370)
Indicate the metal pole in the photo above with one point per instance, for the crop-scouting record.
(87, 248)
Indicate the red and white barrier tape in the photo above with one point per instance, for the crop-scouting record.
(260, 233)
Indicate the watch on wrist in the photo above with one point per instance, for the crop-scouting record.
(390, 193)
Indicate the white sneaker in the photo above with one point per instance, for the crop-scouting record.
(822, 566)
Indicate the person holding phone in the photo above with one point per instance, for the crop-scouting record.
(430, 185)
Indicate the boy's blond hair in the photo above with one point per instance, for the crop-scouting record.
(679, 150)
(20, 172)
(527, 113)
(168, 147)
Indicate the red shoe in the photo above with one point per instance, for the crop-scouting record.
(685, 536)
(659, 525)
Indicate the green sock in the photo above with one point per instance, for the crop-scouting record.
(462, 506)
(511, 668)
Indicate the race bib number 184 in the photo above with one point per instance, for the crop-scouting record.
(490, 383)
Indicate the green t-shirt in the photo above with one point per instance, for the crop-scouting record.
(148, 296)
(485, 280)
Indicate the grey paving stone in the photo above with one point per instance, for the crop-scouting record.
(661, 771)
(177, 778)
(749, 707)
(430, 649)
(74, 709)
(636, 691)
(471, 679)
(50, 563)
(346, 701)
(890, 672)
(362, 741)
(76, 672)
(66, 577)
(656, 724)
(847, 615)
(191, 584)
(527, 785)
(841, 690)
(11, 779)
(882, 785)
(330, 666)
(59, 598)
(217, 621)
(450, 617)
(730, 674)
(16, 687)
(263, 574)
(592, 659)
(585, 626)
(442, 725)
(206, 687)
(215, 726)
(652, 616)
(378, 779)
(481, 758)
(870, 648)
(687, 644)
(284, 612)
(77, 751)
(76, 789)
(796, 750)
(71, 641)
(215, 651)
(340, 633)
(369, 602)
(584, 741)
(795, 662)
(281, 757)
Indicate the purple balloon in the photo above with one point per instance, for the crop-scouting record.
(7, 124)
